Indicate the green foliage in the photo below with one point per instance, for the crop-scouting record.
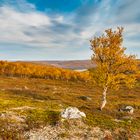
(36, 118)
(53, 117)
(103, 121)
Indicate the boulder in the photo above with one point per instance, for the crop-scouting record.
(85, 98)
(128, 109)
(72, 113)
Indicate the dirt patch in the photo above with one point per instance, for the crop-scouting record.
(23, 108)
(12, 116)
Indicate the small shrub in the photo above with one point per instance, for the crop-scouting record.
(10, 131)
(53, 117)
(63, 135)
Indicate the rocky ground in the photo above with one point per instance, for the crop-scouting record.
(77, 130)
(32, 109)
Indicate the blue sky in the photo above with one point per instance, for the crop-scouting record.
(61, 29)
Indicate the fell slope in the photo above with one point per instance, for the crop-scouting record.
(30, 105)
(71, 64)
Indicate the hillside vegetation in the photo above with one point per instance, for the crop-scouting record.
(27, 104)
(32, 97)
(71, 64)
(22, 69)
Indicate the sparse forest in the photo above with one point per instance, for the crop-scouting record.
(30, 70)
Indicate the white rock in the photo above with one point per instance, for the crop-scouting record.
(72, 113)
(128, 109)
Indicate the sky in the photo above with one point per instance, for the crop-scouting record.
(61, 29)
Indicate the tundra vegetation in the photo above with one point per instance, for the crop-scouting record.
(32, 95)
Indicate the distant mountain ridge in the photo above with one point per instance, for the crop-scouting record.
(69, 64)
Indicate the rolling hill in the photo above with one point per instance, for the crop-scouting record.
(71, 64)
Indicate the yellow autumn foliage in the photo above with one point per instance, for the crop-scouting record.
(20, 69)
(114, 67)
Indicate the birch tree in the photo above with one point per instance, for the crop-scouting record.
(113, 67)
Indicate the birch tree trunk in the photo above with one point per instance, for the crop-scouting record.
(103, 103)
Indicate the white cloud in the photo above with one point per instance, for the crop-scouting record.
(69, 33)
(33, 28)
(14, 23)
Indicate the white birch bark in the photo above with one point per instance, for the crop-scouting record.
(103, 103)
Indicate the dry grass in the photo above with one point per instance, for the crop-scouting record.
(37, 101)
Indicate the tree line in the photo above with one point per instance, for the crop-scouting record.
(30, 70)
